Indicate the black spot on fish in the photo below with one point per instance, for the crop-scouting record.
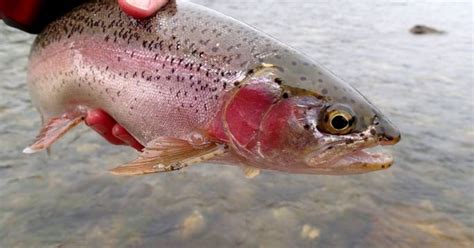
(324, 91)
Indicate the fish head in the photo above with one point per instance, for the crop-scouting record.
(318, 124)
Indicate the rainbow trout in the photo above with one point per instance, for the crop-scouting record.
(193, 85)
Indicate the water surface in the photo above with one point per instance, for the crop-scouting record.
(424, 83)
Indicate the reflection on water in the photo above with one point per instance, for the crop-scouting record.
(424, 83)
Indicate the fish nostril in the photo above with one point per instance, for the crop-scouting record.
(390, 140)
(388, 134)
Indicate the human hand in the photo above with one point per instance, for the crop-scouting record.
(33, 15)
(141, 9)
(107, 127)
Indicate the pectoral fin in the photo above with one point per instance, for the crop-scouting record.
(169, 154)
(53, 129)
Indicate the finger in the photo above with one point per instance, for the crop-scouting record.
(141, 9)
(102, 123)
(122, 134)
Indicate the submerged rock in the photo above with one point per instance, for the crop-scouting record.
(192, 224)
(422, 29)
(310, 232)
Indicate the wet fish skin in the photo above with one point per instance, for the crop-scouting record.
(184, 70)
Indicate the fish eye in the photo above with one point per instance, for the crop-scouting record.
(337, 121)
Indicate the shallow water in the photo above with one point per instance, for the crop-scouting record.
(424, 83)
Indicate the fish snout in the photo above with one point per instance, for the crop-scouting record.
(387, 132)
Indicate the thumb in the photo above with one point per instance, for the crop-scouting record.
(141, 9)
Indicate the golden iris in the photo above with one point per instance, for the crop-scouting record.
(338, 122)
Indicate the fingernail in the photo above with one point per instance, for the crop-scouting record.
(142, 4)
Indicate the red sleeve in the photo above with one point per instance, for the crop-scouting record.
(22, 12)
(33, 15)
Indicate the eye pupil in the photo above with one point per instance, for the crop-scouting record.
(339, 122)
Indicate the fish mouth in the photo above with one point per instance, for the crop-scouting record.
(355, 162)
(352, 154)
(362, 161)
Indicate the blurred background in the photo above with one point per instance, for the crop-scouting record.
(424, 83)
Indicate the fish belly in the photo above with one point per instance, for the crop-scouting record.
(84, 74)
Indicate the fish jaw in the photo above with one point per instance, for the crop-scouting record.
(357, 162)
(361, 161)
(349, 154)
